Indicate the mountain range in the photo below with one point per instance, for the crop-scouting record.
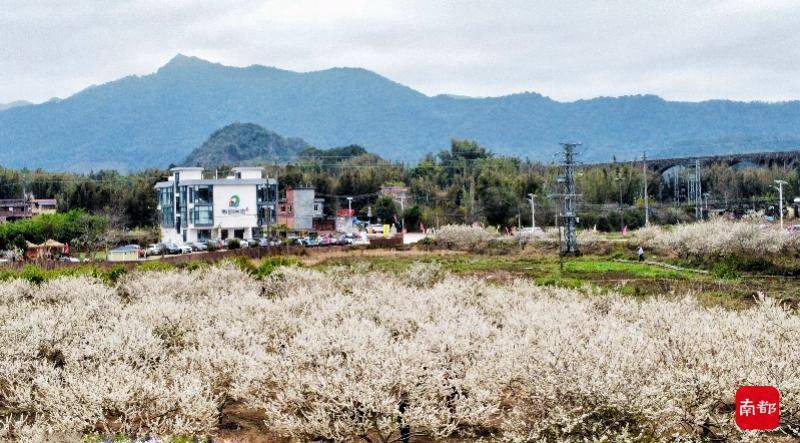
(158, 119)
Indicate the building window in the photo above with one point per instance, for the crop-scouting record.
(167, 210)
(183, 206)
(203, 215)
(203, 195)
(316, 207)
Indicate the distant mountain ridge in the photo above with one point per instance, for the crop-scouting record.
(14, 104)
(243, 144)
(158, 119)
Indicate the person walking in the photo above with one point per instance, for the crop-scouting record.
(640, 253)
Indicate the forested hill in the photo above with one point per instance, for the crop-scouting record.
(241, 144)
(158, 119)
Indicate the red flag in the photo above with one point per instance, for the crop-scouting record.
(66, 248)
(625, 230)
(421, 227)
(507, 232)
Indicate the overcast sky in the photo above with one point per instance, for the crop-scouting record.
(568, 50)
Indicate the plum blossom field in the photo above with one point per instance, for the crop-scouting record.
(344, 355)
(476, 238)
(721, 238)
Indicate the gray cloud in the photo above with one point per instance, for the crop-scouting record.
(744, 50)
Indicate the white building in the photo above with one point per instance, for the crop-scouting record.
(192, 208)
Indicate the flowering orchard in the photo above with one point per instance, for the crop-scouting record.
(466, 237)
(721, 238)
(349, 356)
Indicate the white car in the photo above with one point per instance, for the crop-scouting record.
(185, 249)
(69, 259)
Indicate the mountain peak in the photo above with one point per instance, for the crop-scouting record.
(181, 61)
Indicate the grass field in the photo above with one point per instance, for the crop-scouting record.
(599, 271)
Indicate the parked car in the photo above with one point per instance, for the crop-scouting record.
(197, 246)
(185, 248)
(212, 245)
(252, 242)
(311, 241)
(155, 249)
(233, 243)
(263, 241)
(172, 248)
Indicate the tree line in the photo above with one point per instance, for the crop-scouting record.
(465, 183)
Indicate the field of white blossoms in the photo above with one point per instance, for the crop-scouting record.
(349, 355)
(466, 237)
(719, 237)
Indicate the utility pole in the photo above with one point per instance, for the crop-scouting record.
(533, 212)
(402, 212)
(646, 201)
(676, 190)
(350, 214)
(695, 191)
(780, 197)
(569, 200)
(269, 232)
(621, 211)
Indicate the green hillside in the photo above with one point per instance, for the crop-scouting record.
(244, 143)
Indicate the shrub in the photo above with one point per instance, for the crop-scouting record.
(724, 270)
(233, 243)
(240, 262)
(114, 274)
(33, 274)
(465, 237)
(269, 265)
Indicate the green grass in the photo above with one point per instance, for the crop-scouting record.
(723, 287)
(594, 265)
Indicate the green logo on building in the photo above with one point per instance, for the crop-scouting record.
(234, 202)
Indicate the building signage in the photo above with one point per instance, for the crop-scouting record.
(233, 207)
(235, 211)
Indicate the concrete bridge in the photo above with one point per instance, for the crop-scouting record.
(784, 159)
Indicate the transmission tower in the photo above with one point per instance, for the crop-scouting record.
(569, 200)
(695, 191)
(676, 189)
